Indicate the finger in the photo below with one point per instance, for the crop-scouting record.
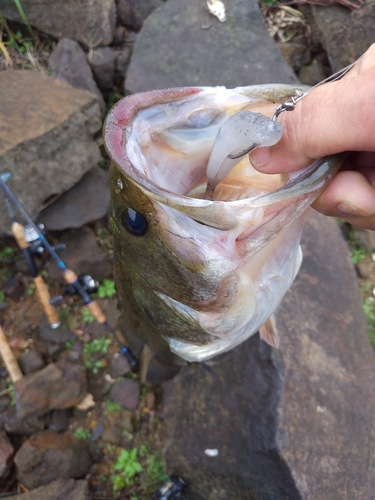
(335, 117)
(351, 197)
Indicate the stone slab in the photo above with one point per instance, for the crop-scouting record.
(181, 44)
(85, 202)
(91, 22)
(46, 136)
(295, 423)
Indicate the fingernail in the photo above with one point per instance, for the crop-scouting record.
(260, 157)
(347, 209)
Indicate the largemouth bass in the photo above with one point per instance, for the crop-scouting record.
(206, 246)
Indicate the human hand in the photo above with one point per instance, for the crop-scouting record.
(335, 117)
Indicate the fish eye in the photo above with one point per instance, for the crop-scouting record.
(134, 222)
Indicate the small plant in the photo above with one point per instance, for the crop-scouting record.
(12, 395)
(2, 296)
(106, 289)
(95, 347)
(82, 433)
(69, 344)
(87, 317)
(155, 472)
(357, 255)
(111, 406)
(369, 308)
(6, 252)
(143, 450)
(30, 289)
(127, 467)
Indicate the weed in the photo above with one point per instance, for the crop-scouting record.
(106, 289)
(103, 478)
(111, 406)
(111, 448)
(69, 344)
(30, 289)
(87, 316)
(2, 296)
(143, 450)
(369, 308)
(95, 347)
(127, 467)
(67, 318)
(7, 252)
(82, 433)
(357, 255)
(155, 472)
(12, 395)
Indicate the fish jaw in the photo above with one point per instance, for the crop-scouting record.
(207, 274)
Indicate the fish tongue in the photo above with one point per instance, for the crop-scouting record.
(239, 134)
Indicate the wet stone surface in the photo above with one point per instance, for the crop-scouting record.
(47, 456)
(293, 423)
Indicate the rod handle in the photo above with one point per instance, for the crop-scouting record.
(9, 359)
(97, 312)
(45, 298)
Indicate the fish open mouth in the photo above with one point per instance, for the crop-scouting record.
(222, 225)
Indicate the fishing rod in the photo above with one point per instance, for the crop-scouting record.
(70, 277)
(19, 234)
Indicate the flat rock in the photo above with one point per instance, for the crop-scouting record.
(61, 489)
(125, 393)
(85, 202)
(355, 31)
(68, 62)
(83, 255)
(47, 456)
(46, 136)
(295, 423)
(188, 46)
(6, 454)
(58, 386)
(91, 22)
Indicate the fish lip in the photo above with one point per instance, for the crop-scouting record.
(215, 213)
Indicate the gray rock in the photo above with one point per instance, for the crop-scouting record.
(314, 73)
(31, 361)
(186, 46)
(103, 62)
(91, 22)
(118, 366)
(125, 393)
(294, 423)
(68, 63)
(47, 456)
(85, 202)
(123, 60)
(56, 335)
(13, 424)
(133, 13)
(83, 255)
(6, 454)
(59, 420)
(355, 31)
(58, 386)
(61, 489)
(46, 136)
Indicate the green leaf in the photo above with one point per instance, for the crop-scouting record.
(21, 12)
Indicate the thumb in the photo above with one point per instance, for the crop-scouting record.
(335, 117)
